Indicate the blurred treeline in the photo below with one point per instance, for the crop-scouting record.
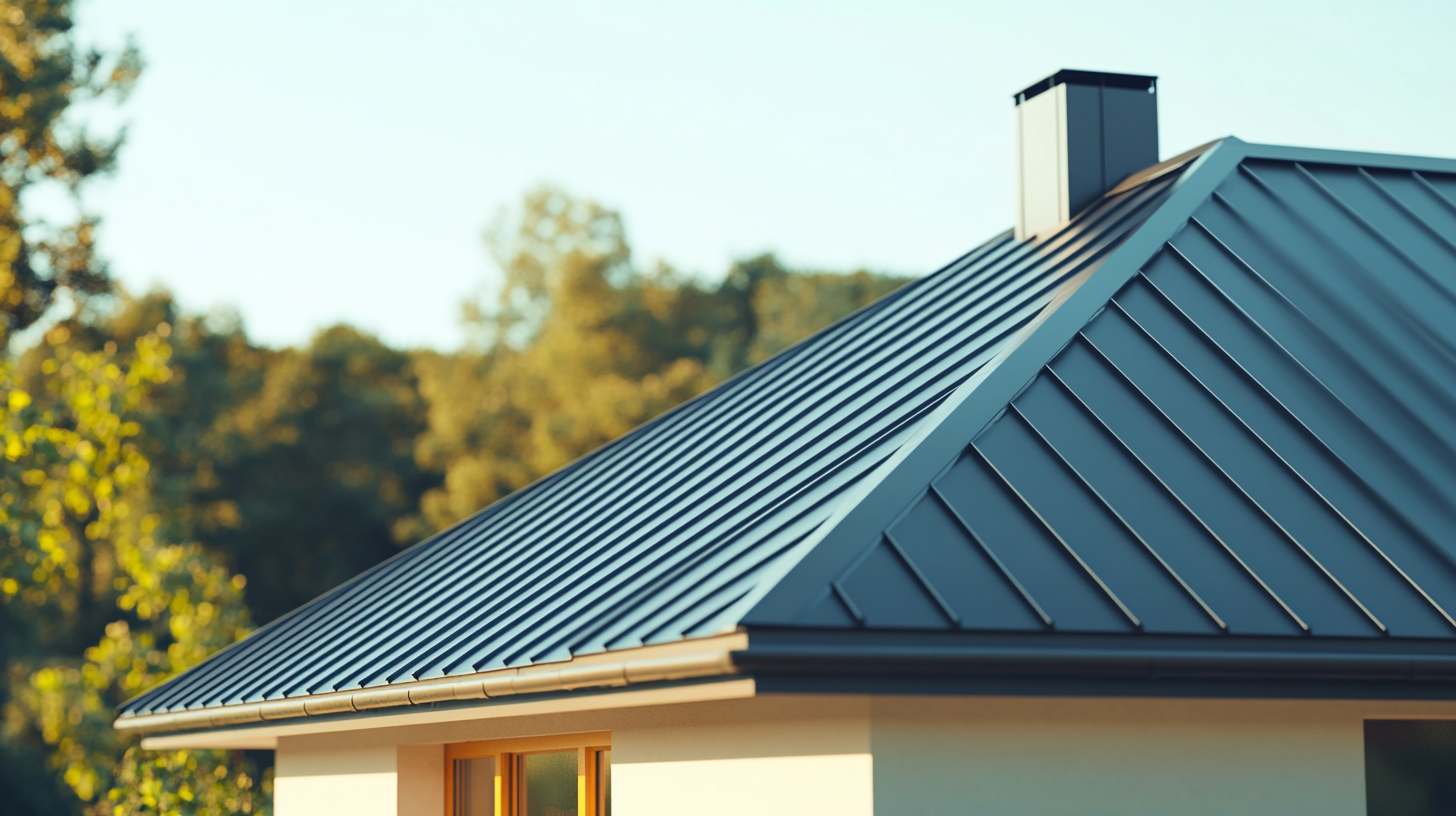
(168, 484)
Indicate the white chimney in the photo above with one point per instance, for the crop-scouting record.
(1079, 133)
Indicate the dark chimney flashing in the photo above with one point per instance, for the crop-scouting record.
(1068, 76)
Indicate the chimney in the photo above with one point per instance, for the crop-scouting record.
(1079, 133)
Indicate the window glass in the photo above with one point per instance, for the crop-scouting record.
(604, 782)
(474, 792)
(548, 784)
(1410, 767)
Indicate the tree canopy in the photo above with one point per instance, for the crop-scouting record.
(44, 72)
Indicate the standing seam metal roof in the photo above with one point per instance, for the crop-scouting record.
(1246, 427)
(1220, 404)
(671, 531)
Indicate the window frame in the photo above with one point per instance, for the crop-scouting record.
(506, 752)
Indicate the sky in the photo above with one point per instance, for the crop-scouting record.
(306, 163)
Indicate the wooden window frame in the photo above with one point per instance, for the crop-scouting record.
(506, 752)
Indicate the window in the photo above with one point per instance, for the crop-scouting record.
(569, 775)
(1409, 767)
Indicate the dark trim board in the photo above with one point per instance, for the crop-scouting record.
(805, 661)
(1242, 689)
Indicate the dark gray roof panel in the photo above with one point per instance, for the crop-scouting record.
(1219, 403)
(1255, 435)
(662, 534)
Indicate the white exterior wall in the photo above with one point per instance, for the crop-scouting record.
(792, 757)
(342, 774)
(330, 774)
(1125, 757)
(895, 756)
(768, 757)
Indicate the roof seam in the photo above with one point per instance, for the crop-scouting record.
(1330, 505)
(1239, 488)
(966, 414)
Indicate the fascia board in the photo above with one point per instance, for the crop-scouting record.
(265, 735)
(895, 484)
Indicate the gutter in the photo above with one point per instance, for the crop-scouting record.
(503, 683)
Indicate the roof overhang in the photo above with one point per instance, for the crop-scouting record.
(267, 734)
(648, 675)
(1086, 665)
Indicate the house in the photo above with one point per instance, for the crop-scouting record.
(1147, 506)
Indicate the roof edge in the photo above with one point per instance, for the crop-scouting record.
(1392, 161)
(1076, 660)
(570, 676)
(897, 482)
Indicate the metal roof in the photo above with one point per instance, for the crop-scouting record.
(671, 531)
(1243, 425)
(1214, 415)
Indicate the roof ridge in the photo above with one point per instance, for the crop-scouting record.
(1161, 169)
(884, 494)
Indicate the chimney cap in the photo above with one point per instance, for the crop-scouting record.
(1068, 76)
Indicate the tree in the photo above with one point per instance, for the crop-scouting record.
(73, 501)
(792, 305)
(318, 466)
(291, 466)
(44, 71)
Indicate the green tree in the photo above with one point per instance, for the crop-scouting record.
(318, 465)
(292, 465)
(44, 72)
(73, 501)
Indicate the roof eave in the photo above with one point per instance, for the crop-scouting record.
(1009, 664)
(706, 658)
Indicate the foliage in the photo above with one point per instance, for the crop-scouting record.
(291, 465)
(174, 783)
(70, 461)
(44, 72)
(78, 534)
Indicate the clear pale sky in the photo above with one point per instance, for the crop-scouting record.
(316, 162)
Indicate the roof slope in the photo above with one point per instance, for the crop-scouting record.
(671, 531)
(1219, 407)
(1243, 424)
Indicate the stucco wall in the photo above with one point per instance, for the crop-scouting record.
(1114, 756)
(333, 774)
(802, 757)
(895, 756)
(342, 774)
(769, 757)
